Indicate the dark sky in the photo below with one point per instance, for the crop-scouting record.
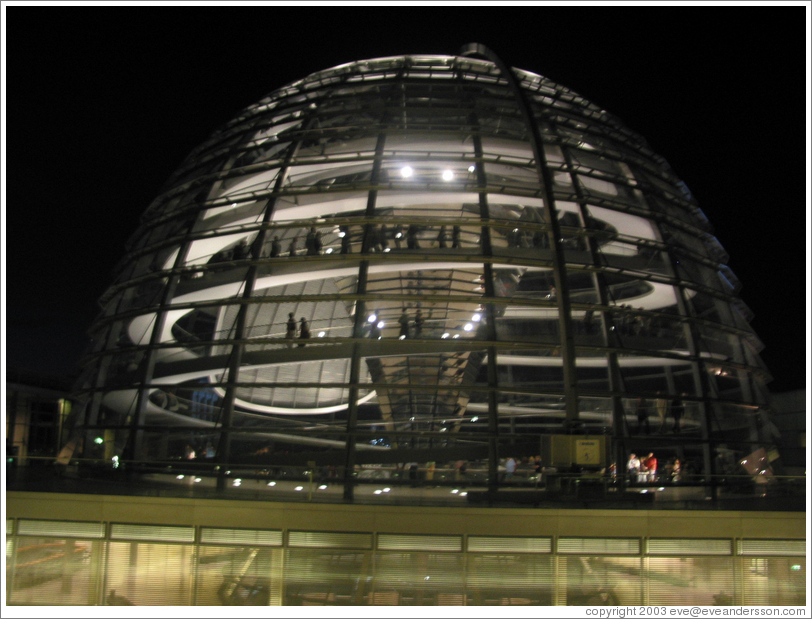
(103, 103)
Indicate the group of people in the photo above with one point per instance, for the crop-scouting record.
(313, 245)
(303, 330)
(643, 470)
(403, 321)
(379, 240)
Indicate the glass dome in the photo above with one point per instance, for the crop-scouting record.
(422, 258)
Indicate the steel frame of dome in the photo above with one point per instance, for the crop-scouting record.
(564, 271)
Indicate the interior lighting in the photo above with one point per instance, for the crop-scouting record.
(378, 491)
(454, 491)
(795, 568)
(329, 250)
(381, 324)
(179, 476)
(197, 480)
(387, 249)
(299, 488)
(387, 489)
(372, 318)
(448, 175)
(115, 462)
(342, 234)
(471, 168)
(237, 481)
(323, 487)
(406, 171)
(456, 335)
(476, 317)
(474, 419)
(401, 337)
(468, 326)
(98, 440)
(322, 334)
(445, 335)
(463, 494)
(233, 205)
(271, 483)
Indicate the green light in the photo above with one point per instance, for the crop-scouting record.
(795, 568)
(98, 440)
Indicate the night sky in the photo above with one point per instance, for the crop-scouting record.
(103, 103)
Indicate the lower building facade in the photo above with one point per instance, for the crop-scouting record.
(72, 549)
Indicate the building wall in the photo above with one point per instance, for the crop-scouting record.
(35, 411)
(83, 549)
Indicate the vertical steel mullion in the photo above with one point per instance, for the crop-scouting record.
(559, 263)
(490, 314)
(700, 375)
(360, 319)
(235, 360)
(610, 333)
(133, 446)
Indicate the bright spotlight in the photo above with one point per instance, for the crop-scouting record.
(406, 171)
(468, 327)
(372, 318)
(448, 175)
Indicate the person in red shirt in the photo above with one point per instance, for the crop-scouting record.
(650, 466)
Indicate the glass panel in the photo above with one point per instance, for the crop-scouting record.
(235, 576)
(509, 579)
(601, 581)
(685, 581)
(148, 574)
(419, 578)
(55, 571)
(327, 577)
(770, 581)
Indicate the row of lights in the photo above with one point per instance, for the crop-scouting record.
(238, 482)
(447, 175)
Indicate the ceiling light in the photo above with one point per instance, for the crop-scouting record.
(448, 175)
(406, 171)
